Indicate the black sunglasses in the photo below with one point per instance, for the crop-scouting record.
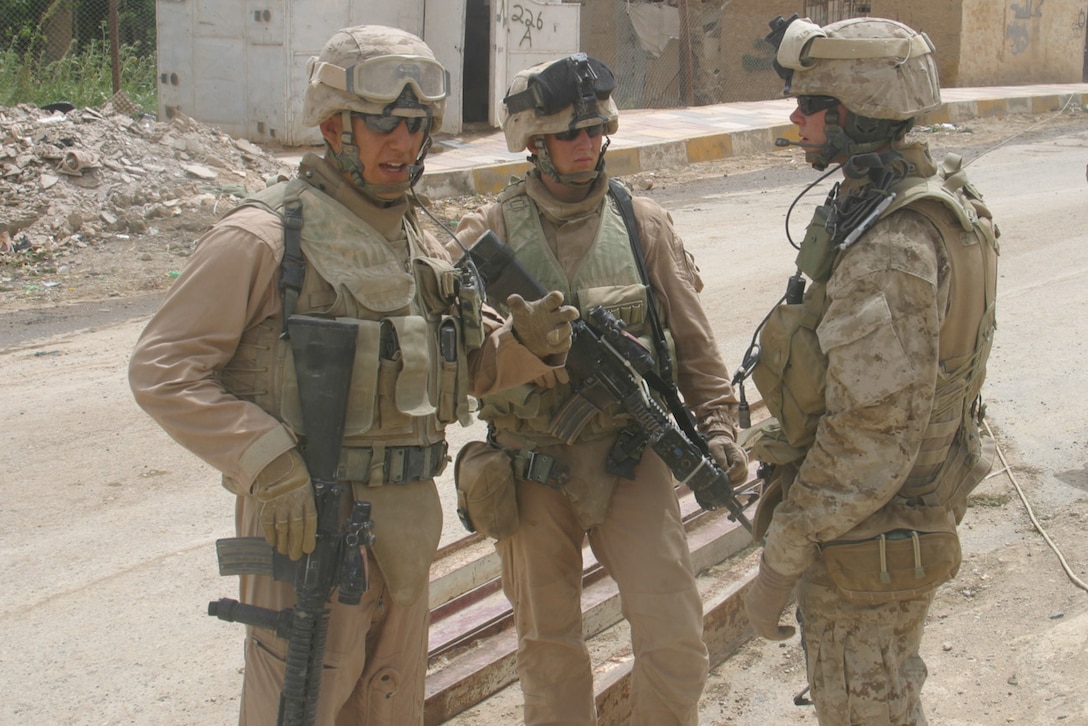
(571, 134)
(814, 104)
(379, 124)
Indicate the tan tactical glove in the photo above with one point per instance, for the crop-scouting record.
(553, 378)
(767, 597)
(288, 514)
(730, 457)
(543, 326)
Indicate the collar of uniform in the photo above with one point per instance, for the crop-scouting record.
(917, 155)
(324, 175)
(560, 212)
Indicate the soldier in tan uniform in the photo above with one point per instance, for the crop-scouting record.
(564, 222)
(340, 240)
(873, 377)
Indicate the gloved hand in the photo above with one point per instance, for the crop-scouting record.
(288, 514)
(553, 378)
(766, 599)
(543, 326)
(730, 457)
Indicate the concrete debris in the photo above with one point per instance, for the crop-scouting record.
(86, 176)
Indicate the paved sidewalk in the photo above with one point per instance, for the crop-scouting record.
(656, 139)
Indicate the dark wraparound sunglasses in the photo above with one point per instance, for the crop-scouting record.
(571, 134)
(814, 104)
(380, 124)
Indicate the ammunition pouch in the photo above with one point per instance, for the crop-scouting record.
(793, 368)
(486, 494)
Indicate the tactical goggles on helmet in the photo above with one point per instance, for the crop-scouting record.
(799, 44)
(577, 80)
(382, 78)
(810, 105)
(387, 124)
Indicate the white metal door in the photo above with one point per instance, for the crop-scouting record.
(266, 30)
(444, 32)
(528, 32)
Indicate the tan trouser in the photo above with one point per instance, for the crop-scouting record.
(375, 657)
(863, 663)
(642, 545)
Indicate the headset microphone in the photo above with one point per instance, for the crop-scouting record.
(783, 143)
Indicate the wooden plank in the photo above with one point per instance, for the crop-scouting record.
(483, 665)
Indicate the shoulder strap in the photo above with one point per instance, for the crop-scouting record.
(662, 382)
(293, 266)
(627, 211)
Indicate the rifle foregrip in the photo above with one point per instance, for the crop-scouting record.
(302, 677)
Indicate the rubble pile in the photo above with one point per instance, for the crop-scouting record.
(87, 176)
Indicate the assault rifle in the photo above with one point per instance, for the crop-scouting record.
(608, 366)
(324, 351)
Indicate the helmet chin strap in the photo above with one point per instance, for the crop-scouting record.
(347, 161)
(542, 160)
(853, 136)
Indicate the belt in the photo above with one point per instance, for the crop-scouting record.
(379, 465)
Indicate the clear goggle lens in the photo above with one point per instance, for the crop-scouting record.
(383, 78)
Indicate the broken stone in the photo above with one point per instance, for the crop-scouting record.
(200, 172)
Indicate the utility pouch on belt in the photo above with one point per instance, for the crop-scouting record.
(486, 496)
(897, 565)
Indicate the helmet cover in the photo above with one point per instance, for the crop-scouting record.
(367, 68)
(877, 68)
(557, 96)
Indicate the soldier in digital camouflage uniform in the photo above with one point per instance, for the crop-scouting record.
(873, 378)
(214, 370)
(564, 223)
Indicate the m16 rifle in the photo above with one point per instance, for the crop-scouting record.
(608, 366)
(324, 351)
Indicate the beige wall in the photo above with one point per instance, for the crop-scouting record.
(745, 57)
(1031, 42)
(979, 43)
(941, 20)
(999, 42)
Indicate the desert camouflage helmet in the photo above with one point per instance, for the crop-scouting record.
(877, 68)
(366, 68)
(556, 96)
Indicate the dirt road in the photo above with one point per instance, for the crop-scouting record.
(107, 554)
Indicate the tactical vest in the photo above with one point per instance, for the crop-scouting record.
(792, 367)
(409, 378)
(608, 276)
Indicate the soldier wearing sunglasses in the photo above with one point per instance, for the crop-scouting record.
(214, 367)
(873, 375)
(581, 233)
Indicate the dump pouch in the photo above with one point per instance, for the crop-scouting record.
(486, 495)
(899, 565)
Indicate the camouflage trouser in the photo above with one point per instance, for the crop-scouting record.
(863, 663)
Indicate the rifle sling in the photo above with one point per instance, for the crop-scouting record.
(662, 383)
(293, 266)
